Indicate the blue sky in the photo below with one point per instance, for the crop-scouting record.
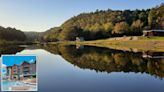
(40, 15)
(11, 60)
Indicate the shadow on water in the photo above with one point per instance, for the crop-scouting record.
(109, 60)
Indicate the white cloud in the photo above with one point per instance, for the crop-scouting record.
(31, 61)
(3, 66)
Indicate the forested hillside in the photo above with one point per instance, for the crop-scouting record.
(11, 34)
(107, 23)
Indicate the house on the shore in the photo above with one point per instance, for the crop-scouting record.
(22, 71)
(78, 39)
(153, 33)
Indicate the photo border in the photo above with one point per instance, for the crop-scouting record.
(37, 73)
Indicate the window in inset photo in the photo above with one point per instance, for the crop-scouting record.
(19, 73)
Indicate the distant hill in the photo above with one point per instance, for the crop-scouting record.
(107, 23)
(32, 36)
(11, 34)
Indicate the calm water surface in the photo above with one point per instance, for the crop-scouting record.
(93, 69)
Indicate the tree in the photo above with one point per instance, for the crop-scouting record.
(121, 28)
(110, 23)
(11, 34)
(137, 27)
(108, 27)
(156, 17)
(70, 33)
(52, 35)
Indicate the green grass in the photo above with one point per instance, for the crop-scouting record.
(141, 44)
(124, 43)
(153, 38)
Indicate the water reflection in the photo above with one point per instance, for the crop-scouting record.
(72, 69)
(102, 59)
(108, 60)
(12, 49)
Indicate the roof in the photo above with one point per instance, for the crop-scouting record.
(22, 63)
(25, 62)
(153, 30)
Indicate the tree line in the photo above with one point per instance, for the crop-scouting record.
(11, 34)
(95, 25)
(107, 23)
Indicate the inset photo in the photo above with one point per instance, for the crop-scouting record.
(19, 73)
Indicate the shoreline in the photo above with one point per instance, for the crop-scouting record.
(131, 43)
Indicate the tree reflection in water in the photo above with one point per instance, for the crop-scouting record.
(109, 60)
(103, 59)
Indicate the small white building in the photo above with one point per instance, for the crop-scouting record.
(79, 38)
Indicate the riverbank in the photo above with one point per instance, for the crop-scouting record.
(130, 43)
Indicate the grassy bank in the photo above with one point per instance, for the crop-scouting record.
(130, 43)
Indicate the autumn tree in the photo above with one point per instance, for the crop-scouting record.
(121, 28)
(110, 23)
(136, 27)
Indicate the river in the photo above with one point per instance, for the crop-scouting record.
(94, 69)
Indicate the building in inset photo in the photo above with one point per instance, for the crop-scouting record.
(22, 71)
(19, 73)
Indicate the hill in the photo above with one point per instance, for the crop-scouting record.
(107, 23)
(11, 34)
(32, 36)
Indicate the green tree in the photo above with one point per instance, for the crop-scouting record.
(110, 23)
(70, 33)
(156, 17)
(11, 34)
